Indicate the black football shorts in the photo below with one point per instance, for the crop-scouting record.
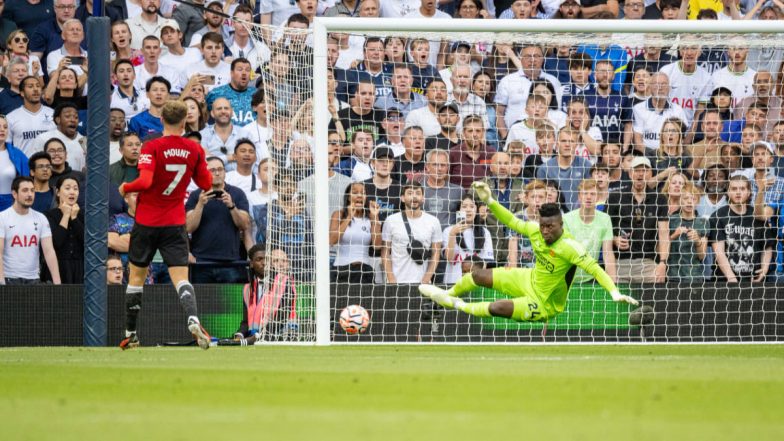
(172, 242)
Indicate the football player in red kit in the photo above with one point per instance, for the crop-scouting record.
(166, 166)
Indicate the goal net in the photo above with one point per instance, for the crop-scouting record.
(653, 142)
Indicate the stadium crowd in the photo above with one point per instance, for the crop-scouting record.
(667, 160)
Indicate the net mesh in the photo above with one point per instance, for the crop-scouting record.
(653, 147)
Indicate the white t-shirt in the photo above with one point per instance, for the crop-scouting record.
(454, 269)
(132, 106)
(21, 235)
(281, 10)
(398, 8)
(424, 118)
(739, 83)
(174, 76)
(425, 229)
(512, 92)
(648, 123)
(73, 147)
(54, 57)
(260, 137)
(688, 90)
(245, 183)
(191, 55)
(222, 72)
(521, 132)
(435, 46)
(24, 127)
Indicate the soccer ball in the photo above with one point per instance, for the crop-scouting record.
(354, 319)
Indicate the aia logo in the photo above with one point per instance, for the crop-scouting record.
(145, 159)
(24, 241)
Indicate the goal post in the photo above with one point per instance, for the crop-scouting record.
(567, 31)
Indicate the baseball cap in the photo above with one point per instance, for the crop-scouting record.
(721, 89)
(640, 160)
(458, 44)
(451, 106)
(392, 112)
(171, 24)
(560, 2)
(383, 152)
(763, 144)
(214, 2)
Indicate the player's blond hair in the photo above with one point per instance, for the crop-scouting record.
(174, 112)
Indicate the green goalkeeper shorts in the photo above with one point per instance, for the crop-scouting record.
(518, 283)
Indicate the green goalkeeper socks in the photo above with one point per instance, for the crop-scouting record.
(464, 285)
(478, 309)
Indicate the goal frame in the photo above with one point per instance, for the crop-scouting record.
(323, 25)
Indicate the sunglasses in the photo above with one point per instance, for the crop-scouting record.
(21, 40)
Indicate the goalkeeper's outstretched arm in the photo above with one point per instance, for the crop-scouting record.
(500, 212)
(592, 267)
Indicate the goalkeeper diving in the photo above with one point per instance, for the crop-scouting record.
(537, 293)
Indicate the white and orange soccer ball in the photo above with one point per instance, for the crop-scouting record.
(354, 319)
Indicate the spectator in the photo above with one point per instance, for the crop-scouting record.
(392, 127)
(28, 15)
(690, 84)
(737, 76)
(566, 168)
(412, 241)
(383, 188)
(212, 71)
(426, 117)
(545, 140)
(742, 243)
(721, 100)
(648, 117)
(175, 55)
(55, 148)
(610, 110)
(10, 97)
(756, 115)
(442, 198)
(354, 230)
(30, 120)
(40, 165)
(300, 162)
(468, 161)
(411, 165)
(260, 132)
(569, 10)
(23, 233)
(117, 126)
(151, 48)
(593, 229)
(422, 71)
(579, 120)
(611, 157)
(48, 36)
(731, 157)
(13, 163)
(258, 201)
(67, 225)
(715, 197)
(673, 189)
(707, 152)
(357, 166)
(71, 51)
(461, 95)
(361, 114)
(640, 228)
(63, 88)
(210, 23)
(148, 122)
(483, 86)
(66, 119)
(580, 70)
(241, 45)
(640, 92)
(401, 98)
(524, 130)
(467, 243)
(650, 60)
(149, 22)
(120, 226)
(215, 219)
(688, 238)
(196, 118)
(237, 92)
(289, 226)
(448, 118)
(767, 188)
(670, 158)
(217, 138)
(125, 169)
(521, 252)
(243, 177)
(121, 44)
(343, 8)
(337, 182)
(115, 271)
(16, 44)
(125, 95)
(601, 174)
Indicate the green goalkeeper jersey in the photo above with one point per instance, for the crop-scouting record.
(555, 263)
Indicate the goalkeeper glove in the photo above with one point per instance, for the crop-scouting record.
(618, 297)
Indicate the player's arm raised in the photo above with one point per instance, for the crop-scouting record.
(500, 212)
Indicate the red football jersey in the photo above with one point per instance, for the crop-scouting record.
(173, 160)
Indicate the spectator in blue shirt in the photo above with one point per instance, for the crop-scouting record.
(148, 123)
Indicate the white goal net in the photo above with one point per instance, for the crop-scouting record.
(661, 148)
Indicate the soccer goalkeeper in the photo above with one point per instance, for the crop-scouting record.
(538, 293)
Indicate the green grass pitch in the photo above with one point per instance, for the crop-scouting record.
(363, 393)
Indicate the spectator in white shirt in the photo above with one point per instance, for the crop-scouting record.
(151, 48)
(149, 22)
